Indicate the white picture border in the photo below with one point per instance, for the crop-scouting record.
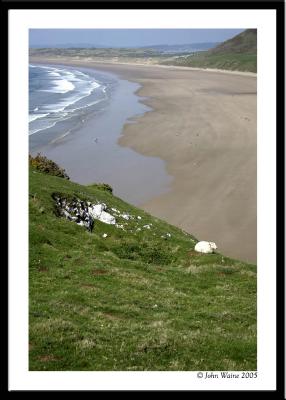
(20, 21)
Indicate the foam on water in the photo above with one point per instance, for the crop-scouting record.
(36, 116)
(58, 93)
(60, 86)
(54, 73)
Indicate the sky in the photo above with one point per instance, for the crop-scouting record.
(128, 37)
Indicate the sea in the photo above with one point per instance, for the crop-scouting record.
(58, 94)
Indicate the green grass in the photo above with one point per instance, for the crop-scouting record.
(229, 61)
(133, 301)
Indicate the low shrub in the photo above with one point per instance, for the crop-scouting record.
(102, 186)
(43, 164)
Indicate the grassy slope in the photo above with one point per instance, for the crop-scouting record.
(244, 43)
(238, 53)
(132, 301)
(233, 62)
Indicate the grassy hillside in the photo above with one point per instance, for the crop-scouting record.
(138, 299)
(244, 43)
(234, 62)
(238, 53)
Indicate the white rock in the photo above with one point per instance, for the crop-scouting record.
(168, 234)
(147, 226)
(119, 226)
(104, 235)
(66, 214)
(107, 218)
(96, 210)
(139, 217)
(205, 247)
(125, 216)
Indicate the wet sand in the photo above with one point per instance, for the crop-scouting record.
(204, 127)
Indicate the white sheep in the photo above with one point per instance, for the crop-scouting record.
(205, 247)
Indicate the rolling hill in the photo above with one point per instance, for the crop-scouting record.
(245, 42)
(238, 53)
(131, 295)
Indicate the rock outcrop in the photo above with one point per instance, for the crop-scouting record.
(82, 212)
(85, 213)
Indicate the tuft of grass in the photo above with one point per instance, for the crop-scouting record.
(137, 300)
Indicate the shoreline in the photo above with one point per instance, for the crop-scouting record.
(205, 124)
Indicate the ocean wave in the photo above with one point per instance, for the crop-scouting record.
(33, 131)
(60, 86)
(53, 73)
(69, 101)
(72, 89)
(33, 117)
(86, 105)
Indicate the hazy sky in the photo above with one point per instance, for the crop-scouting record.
(129, 37)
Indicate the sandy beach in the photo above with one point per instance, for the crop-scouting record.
(203, 125)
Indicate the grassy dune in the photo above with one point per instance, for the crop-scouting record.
(135, 300)
(238, 53)
(231, 61)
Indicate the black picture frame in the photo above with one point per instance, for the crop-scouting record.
(88, 4)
